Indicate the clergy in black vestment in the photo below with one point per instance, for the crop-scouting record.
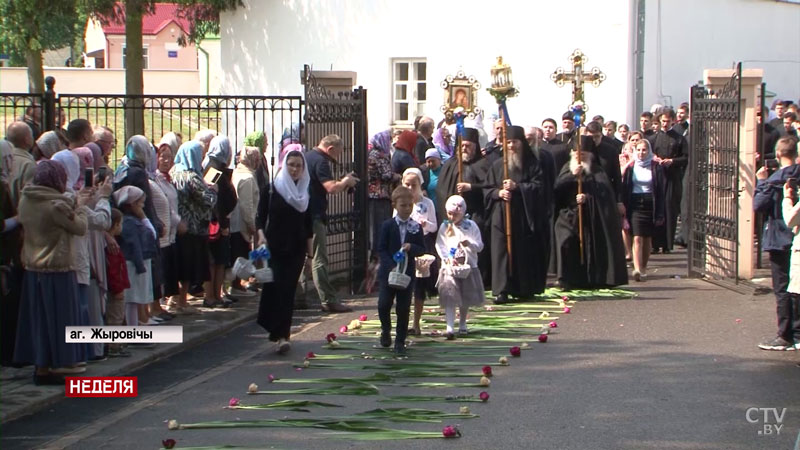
(568, 125)
(603, 262)
(529, 191)
(475, 168)
(673, 149)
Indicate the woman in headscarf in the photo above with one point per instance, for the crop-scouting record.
(259, 140)
(50, 290)
(156, 313)
(196, 199)
(405, 157)
(293, 135)
(72, 165)
(85, 161)
(172, 140)
(380, 182)
(441, 140)
(169, 249)
(284, 226)
(48, 144)
(219, 157)
(644, 196)
(97, 156)
(243, 217)
(139, 152)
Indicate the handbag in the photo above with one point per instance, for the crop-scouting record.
(397, 277)
(214, 231)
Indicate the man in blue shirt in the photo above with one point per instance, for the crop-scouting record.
(322, 183)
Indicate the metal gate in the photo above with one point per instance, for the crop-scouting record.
(343, 114)
(714, 181)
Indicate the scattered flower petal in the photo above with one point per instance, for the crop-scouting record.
(233, 402)
(298, 369)
(363, 317)
(567, 310)
(738, 320)
(168, 443)
(330, 337)
(310, 355)
(173, 424)
(451, 432)
(271, 378)
(343, 329)
(553, 324)
(564, 298)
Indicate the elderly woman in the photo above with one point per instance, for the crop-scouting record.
(284, 225)
(50, 289)
(196, 199)
(381, 179)
(167, 243)
(243, 218)
(219, 158)
(48, 145)
(134, 173)
(443, 143)
(156, 313)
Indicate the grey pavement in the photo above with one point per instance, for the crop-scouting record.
(675, 368)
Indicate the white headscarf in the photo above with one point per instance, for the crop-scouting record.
(71, 164)
(295, 194)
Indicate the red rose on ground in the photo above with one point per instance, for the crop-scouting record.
(168, 443)
(487, 370)
(515, 351)
(542, 338)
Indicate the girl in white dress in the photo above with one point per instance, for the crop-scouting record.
(458, 244)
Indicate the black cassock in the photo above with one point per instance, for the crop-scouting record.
(670, 145)
(604, 255)
(475, 173)
(530, 228)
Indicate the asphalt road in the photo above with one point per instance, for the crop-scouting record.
(676, 368)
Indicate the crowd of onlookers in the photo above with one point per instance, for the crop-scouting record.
(89, 240)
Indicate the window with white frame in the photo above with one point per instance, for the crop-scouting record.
(409, 88)
(145, 58)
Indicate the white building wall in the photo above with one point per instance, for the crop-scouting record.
(265, 45)
(715, 34)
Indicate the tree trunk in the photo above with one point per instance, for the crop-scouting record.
(35, 71)
(134, 81)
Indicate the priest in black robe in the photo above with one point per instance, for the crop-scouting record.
(476, 168)
(530, 194)
(673, 150)
(603, 263)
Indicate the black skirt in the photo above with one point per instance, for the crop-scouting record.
(193, 258)
(220, 251)
(170, 261)
(642, 215)
(239, 246)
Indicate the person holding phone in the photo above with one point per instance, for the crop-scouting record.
(196, 199)
(778, 239)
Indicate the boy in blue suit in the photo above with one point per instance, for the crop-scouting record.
(398, 233)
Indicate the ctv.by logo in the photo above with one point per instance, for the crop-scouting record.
(770, 418)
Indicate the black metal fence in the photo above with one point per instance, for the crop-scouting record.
(714, 181)
(233, 116)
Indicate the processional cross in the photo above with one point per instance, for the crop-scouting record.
(578, 109)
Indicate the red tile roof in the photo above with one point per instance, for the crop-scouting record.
(151, 23)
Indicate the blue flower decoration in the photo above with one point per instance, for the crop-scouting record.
(260, 253)
(399, 256)
(412, 227)
(421, 208)
(452, 252)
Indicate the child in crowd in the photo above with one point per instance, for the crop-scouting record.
(398, 234)
(118, 282)
(458, 243)
(139, 246)
(424, 213)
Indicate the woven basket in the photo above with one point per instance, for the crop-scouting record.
(398, 278)
(264, 275)
(423, 265)
(243, 268)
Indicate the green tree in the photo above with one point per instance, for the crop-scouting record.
(29, 27)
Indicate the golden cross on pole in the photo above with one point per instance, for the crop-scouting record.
(577, 77)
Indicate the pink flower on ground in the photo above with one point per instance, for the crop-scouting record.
(310, 355)
(553, 324)
(564, 298)
(330, 337)
(168, 443)
(567, 310)
(233, 402)
(363, 317)
(343, 329)
(484, 396)
(515, 351)
(450, 432)
(271, 378)
(738, 320)
(487, 370)
(542, 338)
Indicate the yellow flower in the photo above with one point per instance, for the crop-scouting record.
(252, 388)
(173, 424)
(504, 360)
(485, 381)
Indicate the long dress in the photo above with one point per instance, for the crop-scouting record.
(603, 263)
(671, 145)
(530, 229)
(287, 233)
